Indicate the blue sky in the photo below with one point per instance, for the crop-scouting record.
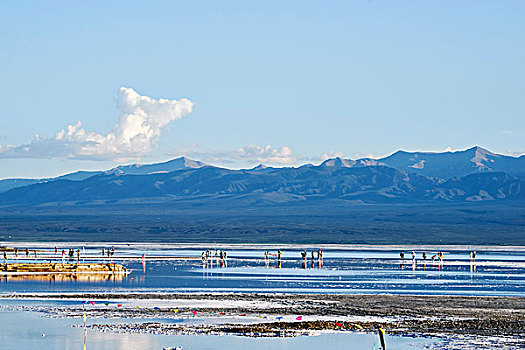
(275, 82)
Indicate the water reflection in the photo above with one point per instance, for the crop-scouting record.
(341, 271)
(316, 259)
(24, 330)
(66, 277)
(439, 264)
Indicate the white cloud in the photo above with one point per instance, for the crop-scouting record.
(366, 155)
(331, 155)
(266, 154)
(141, 122)
(514, 153)
(251, 153)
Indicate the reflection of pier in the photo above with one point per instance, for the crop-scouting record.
(58, 268)
(98, 258)
(66, 277)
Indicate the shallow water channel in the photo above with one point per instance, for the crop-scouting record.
(26, 329)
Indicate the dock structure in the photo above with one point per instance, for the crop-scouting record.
(29, 268)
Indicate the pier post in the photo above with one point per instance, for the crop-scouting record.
(382, 338)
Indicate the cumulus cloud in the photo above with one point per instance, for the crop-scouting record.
(331, 155)
(366, 155)
(266, 154)
(252, 154)
(141, 122)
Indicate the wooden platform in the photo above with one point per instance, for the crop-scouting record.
(21, 268)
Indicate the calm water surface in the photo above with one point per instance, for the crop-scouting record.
(31, 330)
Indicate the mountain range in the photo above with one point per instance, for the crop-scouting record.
(445, 165)
(474, 174)
(134, 169)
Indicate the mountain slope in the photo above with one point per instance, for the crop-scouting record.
(165, 167)
(445, 165)
(374, 184)
(402, 176)
(8, 184)
(133, 169)
(454, 164)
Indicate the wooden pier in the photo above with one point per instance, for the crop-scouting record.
(21, 268)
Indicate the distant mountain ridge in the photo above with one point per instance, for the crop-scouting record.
(444, 165)
(272, 186)
(165, 167)
(403, 177)
(133, 169)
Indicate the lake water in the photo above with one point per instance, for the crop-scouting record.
(493, 273)
(344, 270)
(32, 330)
